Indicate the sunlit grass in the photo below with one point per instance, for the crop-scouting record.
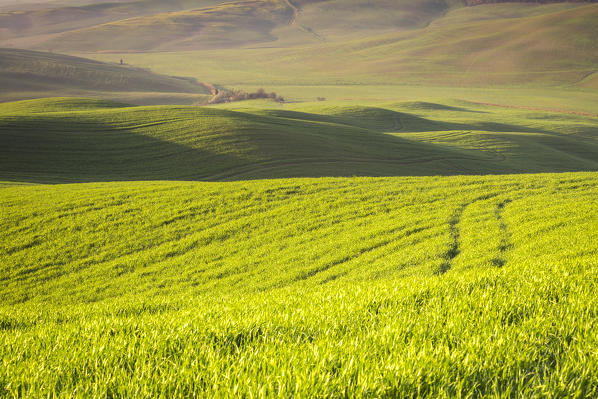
(362, 287)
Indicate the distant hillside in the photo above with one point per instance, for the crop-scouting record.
(143, 24)
(477, 2)
(148, 25)
(500, 44)
(152, 25)
(225, 25)
(24, 71)
(265, 42)
(25, 25)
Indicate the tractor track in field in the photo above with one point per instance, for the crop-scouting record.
(505, 239)
(363, 251)
(455, 246)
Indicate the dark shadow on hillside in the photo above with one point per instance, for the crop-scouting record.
(274, 144)
(386, 121)
(51, 149)
(39, 71)
(428, 106)
(415, 124)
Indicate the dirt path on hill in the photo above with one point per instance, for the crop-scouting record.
(304, 28)
(295, 12)
(212, 89)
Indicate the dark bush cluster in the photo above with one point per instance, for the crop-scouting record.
(226, 96)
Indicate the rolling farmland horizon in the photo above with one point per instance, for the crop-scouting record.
(298, 198)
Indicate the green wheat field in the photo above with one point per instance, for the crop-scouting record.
(417, 219)
(349, 286)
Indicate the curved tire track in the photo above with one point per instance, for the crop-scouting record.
(454, 247)
(505, 241)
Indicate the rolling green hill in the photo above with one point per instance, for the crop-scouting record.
(417, 220)
(62, 140)
(360, 287)
(30, 74)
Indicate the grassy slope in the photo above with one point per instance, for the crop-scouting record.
(221, 25)
(493, 44)
(24, 25)
(513, 44)
(154, 24)
(69, 140)
(385, 287)
(388, 287)
(26, 73)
